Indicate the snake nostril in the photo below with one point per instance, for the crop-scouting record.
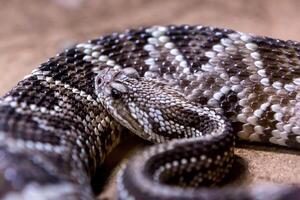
(99, 81)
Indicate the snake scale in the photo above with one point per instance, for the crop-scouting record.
(199, 87)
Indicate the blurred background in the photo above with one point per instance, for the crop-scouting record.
(33, 30)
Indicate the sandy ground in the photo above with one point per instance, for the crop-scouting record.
(33, 30)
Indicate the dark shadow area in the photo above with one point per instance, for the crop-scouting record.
(99, 180)
(127, 147)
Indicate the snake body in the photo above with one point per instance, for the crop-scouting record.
(56, 127)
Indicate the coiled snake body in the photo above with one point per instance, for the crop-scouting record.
(200, 84)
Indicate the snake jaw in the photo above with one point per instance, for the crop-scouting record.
(113, 92)
(120, 112)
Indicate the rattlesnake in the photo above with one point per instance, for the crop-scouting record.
(56, 127)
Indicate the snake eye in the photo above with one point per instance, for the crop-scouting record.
(117, 90)
(116, 94)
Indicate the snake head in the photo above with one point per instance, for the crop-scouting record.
(153, 110)
(114, 88)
